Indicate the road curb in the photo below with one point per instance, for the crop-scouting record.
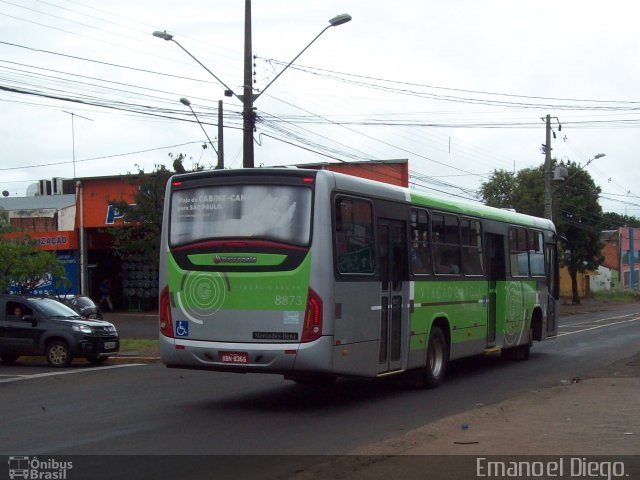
(133, 359)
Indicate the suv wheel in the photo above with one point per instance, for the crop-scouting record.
(58, 354)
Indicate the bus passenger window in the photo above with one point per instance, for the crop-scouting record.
(536, 254)
(420, 258)
(354, 236)
(446, 244)
(472, 247)
(518, 254)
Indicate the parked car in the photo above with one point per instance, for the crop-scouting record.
(44, 326)
(86, 307)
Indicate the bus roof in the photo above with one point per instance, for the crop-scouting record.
(377, 189)
(425, 199)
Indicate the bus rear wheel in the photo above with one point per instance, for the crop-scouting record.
(437, 358)
(521, 352)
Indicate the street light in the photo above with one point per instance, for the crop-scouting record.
(168, 37)
(248, 115)
(187, 103)
(334, 22)
(248, 97)
(561, 173)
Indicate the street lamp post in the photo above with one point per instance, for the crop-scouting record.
(220, 165)
(562, 174)
(248, 97)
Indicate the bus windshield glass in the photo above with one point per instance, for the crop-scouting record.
(278, 213)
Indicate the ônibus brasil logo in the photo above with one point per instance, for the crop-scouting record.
(32, 468)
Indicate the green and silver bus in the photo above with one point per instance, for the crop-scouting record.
(314, 275)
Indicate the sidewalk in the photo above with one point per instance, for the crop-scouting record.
(582, 418)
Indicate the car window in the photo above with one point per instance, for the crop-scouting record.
(53, 308)
(16, 310)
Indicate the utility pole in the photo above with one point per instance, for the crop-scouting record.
(220, 138)
(547, 171)
(632, 260)
(247, 97)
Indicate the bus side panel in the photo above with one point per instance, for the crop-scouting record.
(516, 300)
(462, 304)
(357, 328)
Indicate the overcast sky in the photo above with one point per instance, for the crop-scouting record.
(458, 87)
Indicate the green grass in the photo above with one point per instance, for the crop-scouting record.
(617, 296)
(137, 343)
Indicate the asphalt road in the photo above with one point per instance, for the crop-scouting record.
(151, 410)
(134, 324)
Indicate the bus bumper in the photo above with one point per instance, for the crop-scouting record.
(247, 357)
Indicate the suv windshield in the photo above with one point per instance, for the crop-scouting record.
(52, 308)
(270, 212)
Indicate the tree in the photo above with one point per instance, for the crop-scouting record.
(522, 191)
(27, 267)
(5, 225)
(576, 212)
(613, 221)
(578, 217)
(141, 236)
(499, 192)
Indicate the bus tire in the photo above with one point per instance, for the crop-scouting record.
(521, 352)
(437, 358)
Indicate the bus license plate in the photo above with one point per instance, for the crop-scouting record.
(234, 357)
(109, 345)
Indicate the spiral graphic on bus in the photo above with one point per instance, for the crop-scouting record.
(514, 315)
(201, 295)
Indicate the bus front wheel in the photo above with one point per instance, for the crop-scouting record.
(437, 358)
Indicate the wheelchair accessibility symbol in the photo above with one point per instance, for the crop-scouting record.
(182, 328)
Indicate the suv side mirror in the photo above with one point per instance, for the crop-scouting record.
(30, 318)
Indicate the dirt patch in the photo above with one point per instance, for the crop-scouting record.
(599, 415)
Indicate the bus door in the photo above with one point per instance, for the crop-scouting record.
(553, 289)
(393, 293)
(495, 273)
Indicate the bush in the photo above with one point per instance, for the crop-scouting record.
(617, 295)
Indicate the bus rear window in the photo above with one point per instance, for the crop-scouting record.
(278, 213)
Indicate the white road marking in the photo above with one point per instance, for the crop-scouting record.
(600, 326)
(17, 378)
(600, 320)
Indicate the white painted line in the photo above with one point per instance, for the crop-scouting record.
(599, 326)
(601, 319)
(17, 378)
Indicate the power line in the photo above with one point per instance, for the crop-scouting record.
(115, 155)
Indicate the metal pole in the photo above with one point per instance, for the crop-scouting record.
(73, 145)
(632, 261)
(83, 246)
(547, 171)
(220, 138)
(248, 117)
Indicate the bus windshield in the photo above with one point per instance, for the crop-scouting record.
(279, 213)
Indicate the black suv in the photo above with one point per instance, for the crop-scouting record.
(44, 326)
